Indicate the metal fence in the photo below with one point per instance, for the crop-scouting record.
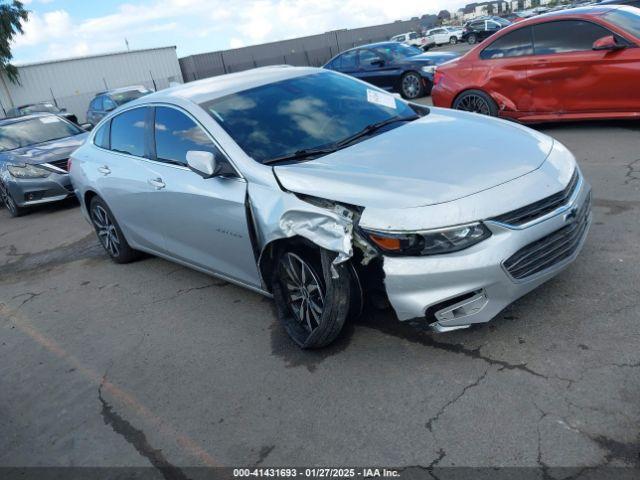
(313, 50)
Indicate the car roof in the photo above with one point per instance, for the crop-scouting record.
(31, 116)
(120, 90)
(222, 85)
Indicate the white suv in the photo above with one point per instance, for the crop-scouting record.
(410, 38)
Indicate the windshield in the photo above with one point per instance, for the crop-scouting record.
(626, 18)
(302, 113)
(123, 97)
(40, 107)
(33, 131)
(397, 51)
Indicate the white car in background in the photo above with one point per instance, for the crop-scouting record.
(443, 35)
(411, 38)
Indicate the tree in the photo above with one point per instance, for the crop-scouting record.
(12, 14)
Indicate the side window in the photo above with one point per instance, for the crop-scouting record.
(476, 26)
(413, 36)
(176, 134)
(492, 26)
(368, 56)
(101, 138)
(128, 132)
(566, 36)
(348, 60)
(108, 104)
(514, 44)
(96, 103)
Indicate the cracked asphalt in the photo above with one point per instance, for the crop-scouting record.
(151, 364)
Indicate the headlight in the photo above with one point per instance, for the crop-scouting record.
(433, 242)
(429, 69)
(27, 171)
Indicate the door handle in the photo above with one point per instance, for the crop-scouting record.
(156, 183)
(104, 170)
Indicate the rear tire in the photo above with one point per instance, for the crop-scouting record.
(8, 201)
(311, 304)
(476, 101)
(453, 40)
(411, 86)
(109, 233)
(472, 39)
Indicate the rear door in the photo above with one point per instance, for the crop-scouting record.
(506, 62)
(124, 179)
(568, 76)
(204, 220)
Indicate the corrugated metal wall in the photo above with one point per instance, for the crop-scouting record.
(73, 83)
(314, 50)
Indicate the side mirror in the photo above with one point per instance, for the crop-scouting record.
(607, 43)
(86, 126)
(203, 163)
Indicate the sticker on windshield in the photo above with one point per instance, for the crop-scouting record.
(379, 98)
(49, 119)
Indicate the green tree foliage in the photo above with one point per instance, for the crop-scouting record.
(12, 14)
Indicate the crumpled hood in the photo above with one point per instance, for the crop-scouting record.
(45, 152)
(441, 157)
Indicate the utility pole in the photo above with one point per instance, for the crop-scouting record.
(126, 42)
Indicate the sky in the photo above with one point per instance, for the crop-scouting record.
(68, 28)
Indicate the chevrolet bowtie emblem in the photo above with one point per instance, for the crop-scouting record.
(571, 215)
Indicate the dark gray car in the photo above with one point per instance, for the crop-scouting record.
(105, 102)
(34, 151)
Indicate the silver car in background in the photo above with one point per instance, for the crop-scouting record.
(320, 190)
(34, 152)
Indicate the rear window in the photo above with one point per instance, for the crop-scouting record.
(35, 131)
(127, 132)
(123, 97)
(513, 44)
(627, 19)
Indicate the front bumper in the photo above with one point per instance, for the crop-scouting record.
(27, 192)
(472, 286)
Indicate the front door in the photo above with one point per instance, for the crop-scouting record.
(377, 70)
(204, 220)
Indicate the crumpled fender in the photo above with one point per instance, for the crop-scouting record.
(279, 214)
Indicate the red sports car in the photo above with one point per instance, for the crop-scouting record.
(576, 64)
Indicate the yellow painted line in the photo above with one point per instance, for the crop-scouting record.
(187, 444)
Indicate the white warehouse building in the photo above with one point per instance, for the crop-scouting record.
(72, 83)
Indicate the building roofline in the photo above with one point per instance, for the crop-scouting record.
(84, 57)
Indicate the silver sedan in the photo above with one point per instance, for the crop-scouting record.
(323, 191)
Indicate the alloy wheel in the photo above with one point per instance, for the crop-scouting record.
(453, 40)
(303, 291)
(474, 103)
(411, 85)
(6, 198)
(106, 230)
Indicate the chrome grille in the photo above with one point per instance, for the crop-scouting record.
(540, 208)
(552, 249)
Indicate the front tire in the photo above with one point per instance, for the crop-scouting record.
(12, 207)
(472, 39)
(476, 101)
(411, 86)
(311, 304)
(109, 233)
